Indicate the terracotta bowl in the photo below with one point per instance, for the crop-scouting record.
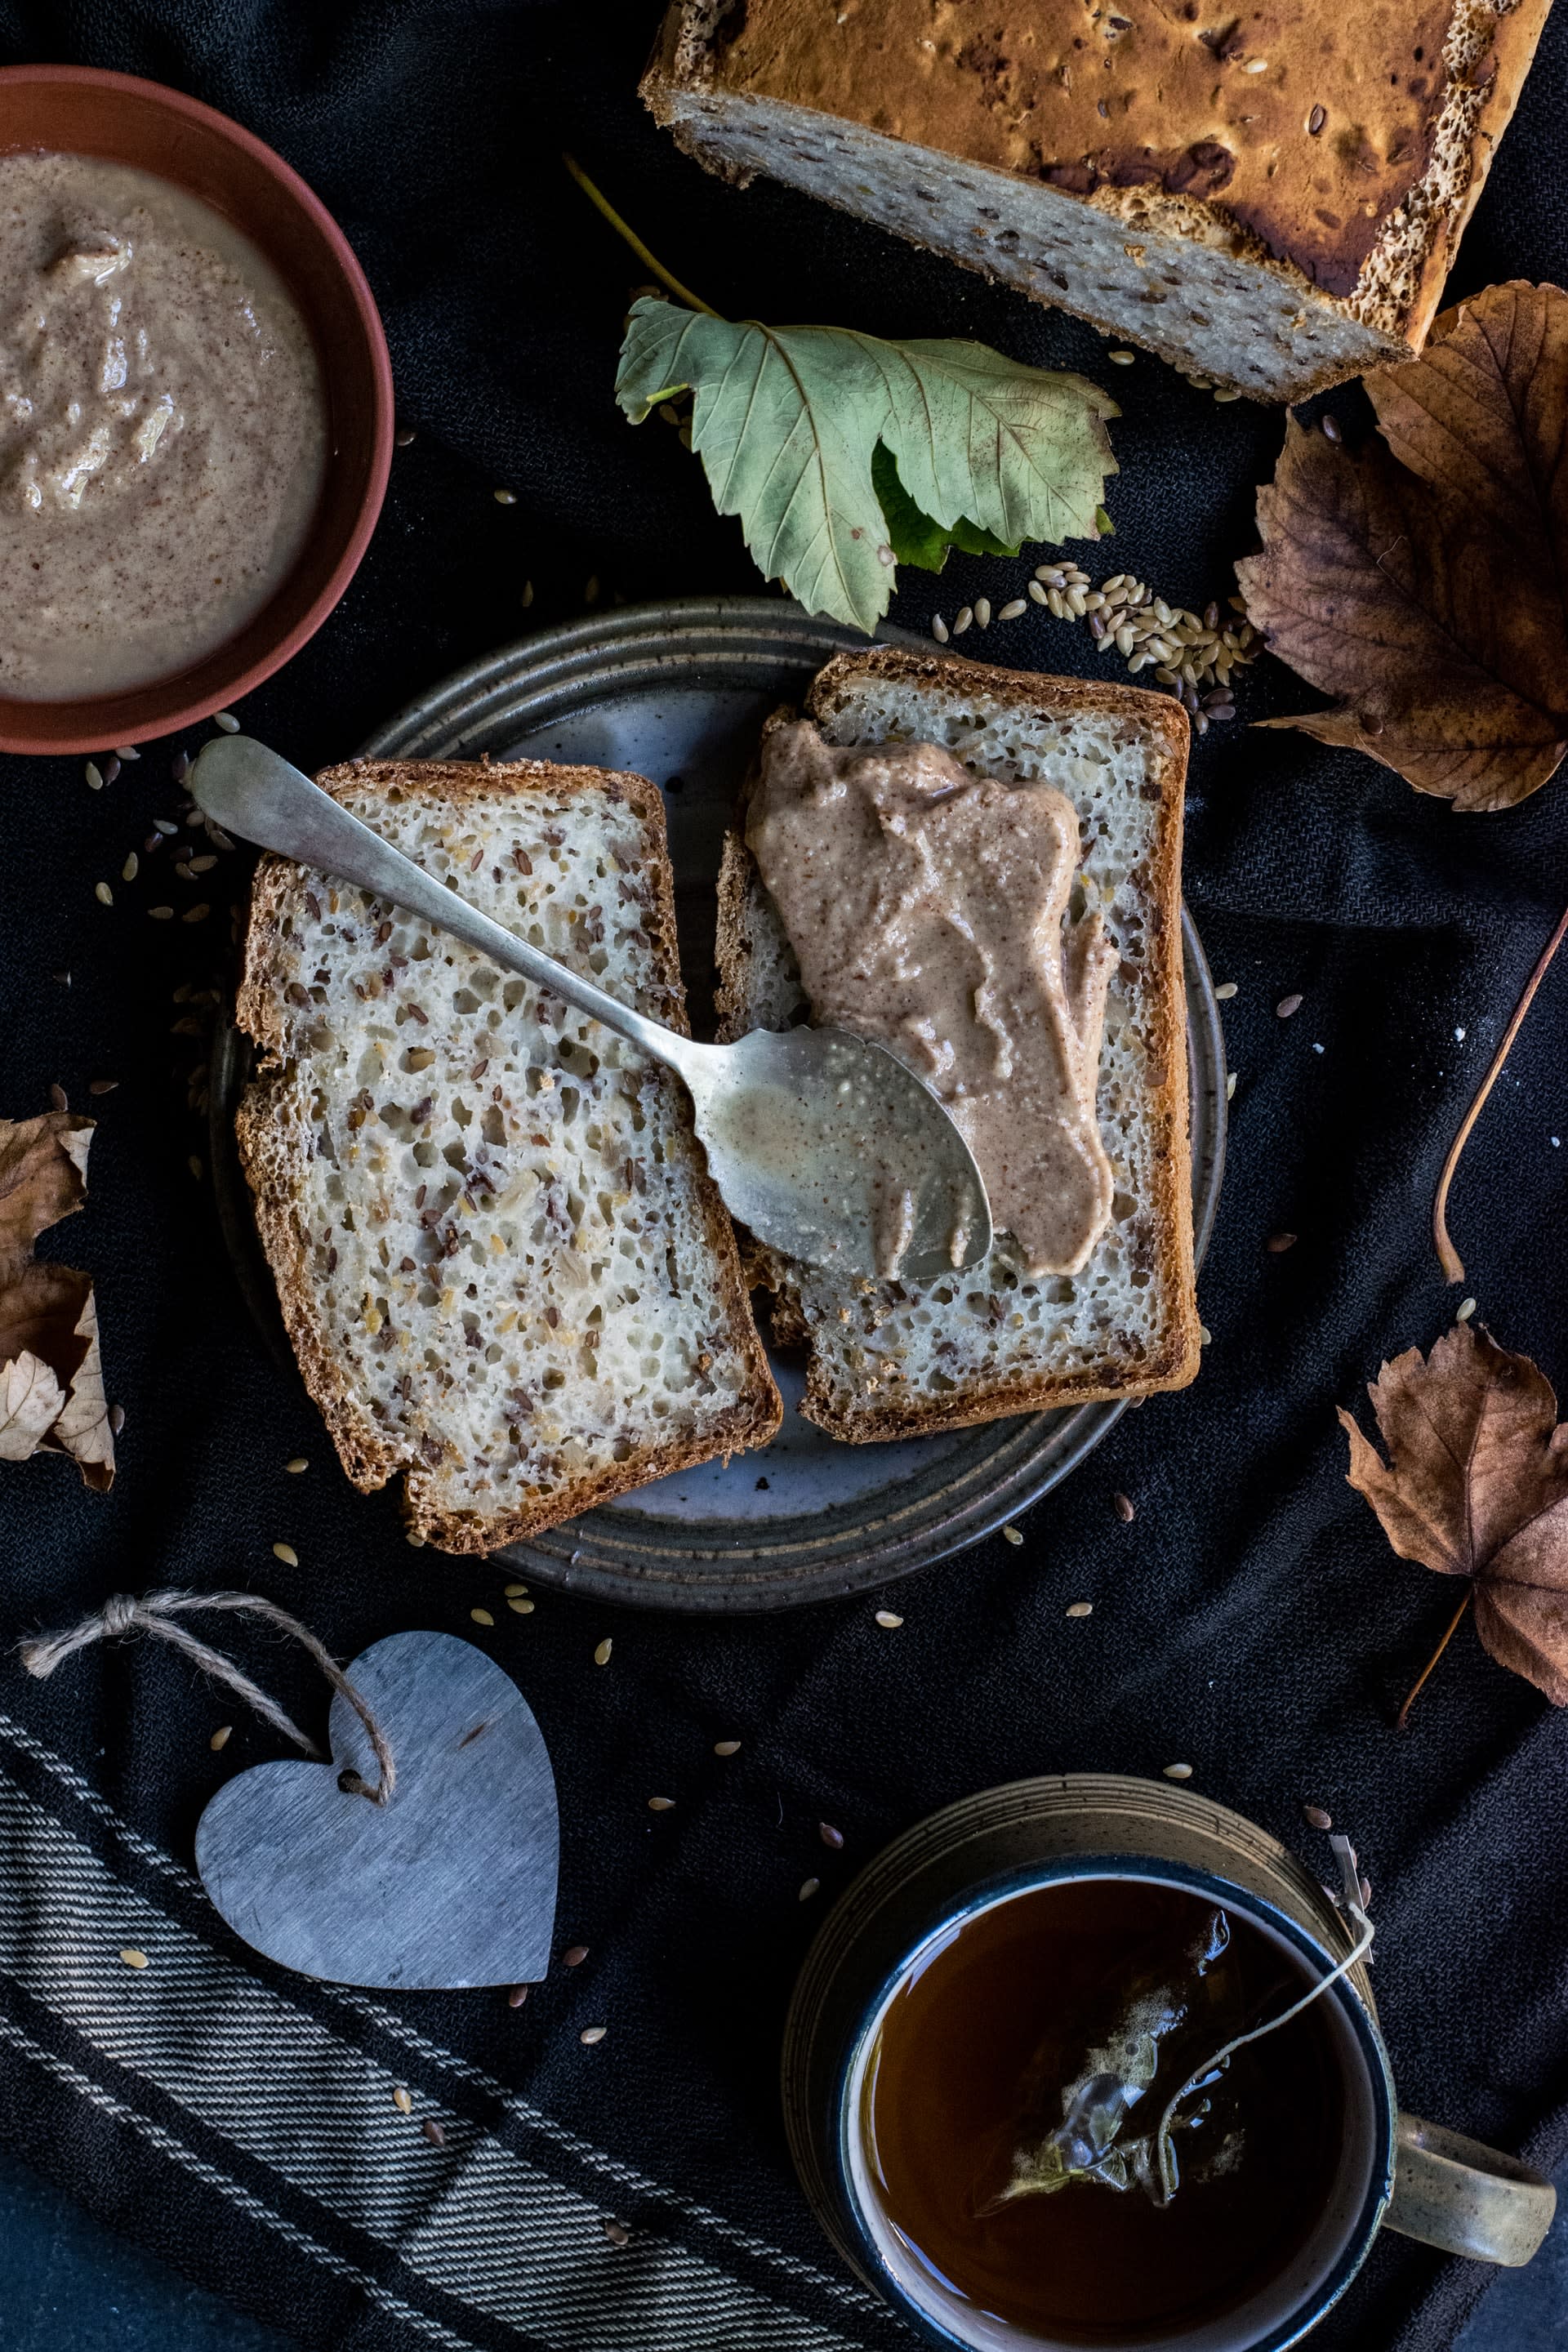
(75, 110)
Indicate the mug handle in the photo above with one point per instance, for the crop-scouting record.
(1452, 2192)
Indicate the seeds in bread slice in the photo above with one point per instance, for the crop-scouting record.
(502, 1262)
(900, 1358)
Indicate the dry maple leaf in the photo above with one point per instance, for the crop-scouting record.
(1422, 578)
(51, 1379)
(1476, 1485)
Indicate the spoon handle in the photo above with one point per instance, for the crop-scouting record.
(254, 793)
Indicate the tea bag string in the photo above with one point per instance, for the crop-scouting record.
(157, 1615)
(1352, 1905)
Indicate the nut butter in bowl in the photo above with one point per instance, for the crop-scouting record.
(196, 410)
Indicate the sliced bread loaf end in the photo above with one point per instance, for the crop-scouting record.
(900, 1358)
(500, 1258)
(1271, 199)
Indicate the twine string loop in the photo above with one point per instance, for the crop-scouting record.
(157, 1614)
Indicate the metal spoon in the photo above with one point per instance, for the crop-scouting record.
(824, 1144)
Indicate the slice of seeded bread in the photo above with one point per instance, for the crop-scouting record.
(903, 1358)
(500, 1260)
(1271, 197)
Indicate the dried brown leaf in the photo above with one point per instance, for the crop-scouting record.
(1476, 1485)
(1422, 579)
(51, 1377)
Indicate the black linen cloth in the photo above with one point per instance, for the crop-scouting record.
(1250, 1619)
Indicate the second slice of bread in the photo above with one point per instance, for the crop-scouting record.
(503, 1264)
(900, 1358)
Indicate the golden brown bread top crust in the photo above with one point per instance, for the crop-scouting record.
(1308, 122)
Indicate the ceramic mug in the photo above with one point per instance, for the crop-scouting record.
(1396, 2170)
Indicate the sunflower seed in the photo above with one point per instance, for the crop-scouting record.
(130, 868)
(808, 1887)
(962, 623)
(59, 1098)
(481, 1617)
(220, 1738)
(1178, 1771)
(1287, 1005)
(504, 498)
(227, 720)
(593, 2033)
(885, 1617)
(94, 774)
(297, 1465)
(433, 2132)
(982, 611)
(1317, 1817)
(602, 1653)
(1012, 609)
(939, 629)
(103, 894)
(1226, 990)
(402, 2101)
(661, 1804)
(101, 1086)
(162, 913)
(829, 1835)
(617, 2233)
(131, 1957)
(515, 1591)
(574, 1956)
(726, 1748)
(517, 1996)
(1125, 1509)
(1230, 1086)
(1278, 1243)
(287, 1554)
(1330, 426)
(1122, 359)
(1081, 1608)
(521, 1605)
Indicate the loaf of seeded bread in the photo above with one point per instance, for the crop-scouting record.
(903, 1358)
(1269, 196)
(500, 1258)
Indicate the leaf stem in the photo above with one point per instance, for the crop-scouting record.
(1403, 1719)
(666, 278)
(1448, 1256)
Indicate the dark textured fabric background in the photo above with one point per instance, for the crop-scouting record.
(1251, 1618)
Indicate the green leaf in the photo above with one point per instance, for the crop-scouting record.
(786, 421)
(913, 536)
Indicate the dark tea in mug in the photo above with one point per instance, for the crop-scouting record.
(1017, 2136)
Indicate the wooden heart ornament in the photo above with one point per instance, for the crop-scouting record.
(452, 1882)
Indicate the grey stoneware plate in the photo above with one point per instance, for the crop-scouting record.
(678, 692)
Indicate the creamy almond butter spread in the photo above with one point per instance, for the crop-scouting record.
(163, 428)
(927, 909)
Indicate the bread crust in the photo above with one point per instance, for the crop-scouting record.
(1176, 1361)
(273, 1174)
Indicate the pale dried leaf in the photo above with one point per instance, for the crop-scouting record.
(51, 1377)
(30, 1400)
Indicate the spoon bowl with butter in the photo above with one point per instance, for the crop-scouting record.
(824, 1145)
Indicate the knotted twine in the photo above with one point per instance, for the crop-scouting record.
(157, 1613)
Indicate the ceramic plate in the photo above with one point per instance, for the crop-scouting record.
(678, 692)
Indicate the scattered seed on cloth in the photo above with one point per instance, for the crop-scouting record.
(885, 1617)
(829, 1835)
(287, 1554)
(1081, 1608)
(220, 1738)
(808, 1888)
(593, 2033)
(1125, 1509)
(1178, 1771)
(131, 1957)
(1287, 1005)
(1316, 1817)
(602, 1652)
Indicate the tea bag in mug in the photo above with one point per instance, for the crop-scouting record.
(1150, 2025)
